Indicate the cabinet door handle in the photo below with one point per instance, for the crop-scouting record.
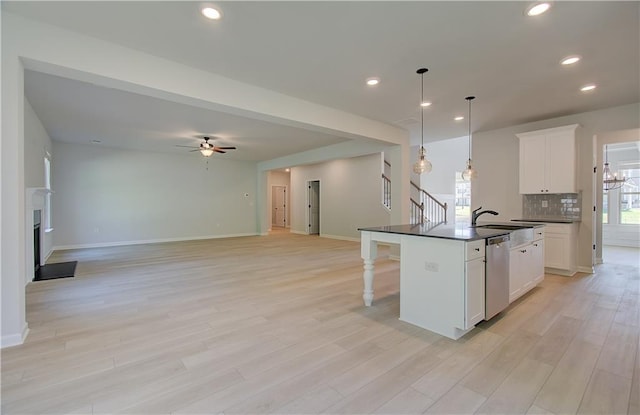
(535, 244)
(523, 251)
(477, 249)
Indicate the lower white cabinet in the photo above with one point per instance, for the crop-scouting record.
(560, 248)
(474, 292)
(526, 267)
(537, 261)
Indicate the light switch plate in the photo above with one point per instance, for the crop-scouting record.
(545, 203)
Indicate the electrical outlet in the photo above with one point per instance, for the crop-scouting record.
(545, 203)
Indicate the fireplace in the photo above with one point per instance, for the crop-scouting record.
(35, 242)
(37, 214)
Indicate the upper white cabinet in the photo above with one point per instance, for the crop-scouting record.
(548, 160)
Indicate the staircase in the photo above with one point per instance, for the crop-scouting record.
(429, 209)
(423, 208)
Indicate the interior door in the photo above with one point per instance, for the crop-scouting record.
(279, 206)
(314, 207)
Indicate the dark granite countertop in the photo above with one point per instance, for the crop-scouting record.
(547, 220)
(462, 232)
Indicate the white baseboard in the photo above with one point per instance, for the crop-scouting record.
(298, 232)
(563, 272)
(342, 238)
(15, 339)
(149, 241)
(586, 270)
(598, 261)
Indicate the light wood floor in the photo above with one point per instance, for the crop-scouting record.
(276, 324)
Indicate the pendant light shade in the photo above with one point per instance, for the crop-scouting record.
(422, 165)
(469, 173)
(610, 180)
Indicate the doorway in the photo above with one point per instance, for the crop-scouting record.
(314, 207)
(618, 219)
(279, 206)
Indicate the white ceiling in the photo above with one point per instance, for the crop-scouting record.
(323, 52)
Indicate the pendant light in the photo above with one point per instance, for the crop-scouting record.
(469, 173)
(422, 165)
(610, 180)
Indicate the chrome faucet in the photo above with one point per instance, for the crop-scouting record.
(475, 214)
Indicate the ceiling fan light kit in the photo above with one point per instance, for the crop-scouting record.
(207, 149)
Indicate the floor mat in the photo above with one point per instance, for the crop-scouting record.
(54, 271)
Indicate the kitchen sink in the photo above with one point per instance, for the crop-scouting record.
(504, 227)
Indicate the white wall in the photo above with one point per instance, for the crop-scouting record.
(106, 196)
(36, 144)
(279, 178)
(448, 157)
(496, 157)
(350, 196)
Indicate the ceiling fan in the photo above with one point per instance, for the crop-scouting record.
(207, 149)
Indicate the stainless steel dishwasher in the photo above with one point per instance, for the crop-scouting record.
(496, 275)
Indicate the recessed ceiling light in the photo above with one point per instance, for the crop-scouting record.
(211, 13)
(570, 60)
(425, 104)
(459, 118)
(373, 81)
(588, 88)
(536, 9)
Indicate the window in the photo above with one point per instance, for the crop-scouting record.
(630, 196)
(47, 198)
(605, 207)
(463, 199)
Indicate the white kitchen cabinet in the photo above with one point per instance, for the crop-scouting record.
(474, 292)
(560, 248)
(537, 262)
(526, 266)
(517, 271)
(548, 160)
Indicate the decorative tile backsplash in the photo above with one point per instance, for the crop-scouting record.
(560, 205)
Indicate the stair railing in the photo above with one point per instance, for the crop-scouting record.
(433, 209)
(416, 214)
(386, 191)
(426, 208)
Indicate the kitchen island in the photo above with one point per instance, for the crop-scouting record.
(442, 273)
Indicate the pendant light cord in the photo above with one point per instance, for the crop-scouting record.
(469, 99)
(469, 129)
(421, 111)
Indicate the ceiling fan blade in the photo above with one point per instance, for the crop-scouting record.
(178, 145)
(218, 151)
(191, 151)
(225, 148)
